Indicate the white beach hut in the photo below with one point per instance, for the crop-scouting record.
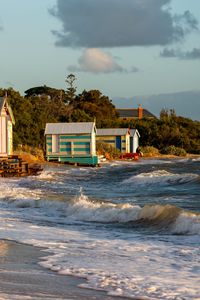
(6, 123)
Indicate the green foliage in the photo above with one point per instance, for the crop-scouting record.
(46, 91)
(168, 130)
(43, 105)
(172, 150)
(31, 114)
(95, 107)
(150, 151)
(71, 90)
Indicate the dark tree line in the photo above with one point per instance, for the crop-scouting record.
(168, 130)
(44, 104)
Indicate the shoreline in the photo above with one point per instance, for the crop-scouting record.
(21, 277)
(31, 159)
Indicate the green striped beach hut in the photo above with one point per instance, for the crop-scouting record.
(71, 143)
(119, 138)
(124, 139)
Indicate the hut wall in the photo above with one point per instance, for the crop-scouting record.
(93, 143)
(3, 136)
(75, 145)
(112, 140)
(135, 142)
(127, 146)
(10, 138)
(68, 145)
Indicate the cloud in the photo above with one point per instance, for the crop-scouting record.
(117, 23)
(94, 60)
(194, 54)
(168, 53)
(185, 55)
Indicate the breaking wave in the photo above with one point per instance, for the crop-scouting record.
(167, 219)
(162, 177)
(164, 217)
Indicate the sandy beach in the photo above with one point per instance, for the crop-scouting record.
(21, 277)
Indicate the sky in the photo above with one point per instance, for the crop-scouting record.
(133, 51)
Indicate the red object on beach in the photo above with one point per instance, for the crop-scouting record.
(134, 156)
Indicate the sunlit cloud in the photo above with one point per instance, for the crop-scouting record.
(97, 61)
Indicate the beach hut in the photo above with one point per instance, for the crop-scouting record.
(134, 140)
(71, 143)
(6, 123)
(124, 139)
(119, 138)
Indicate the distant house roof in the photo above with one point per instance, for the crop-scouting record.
(112, 131)
(3, 101)
(70, 128)
(133, 113)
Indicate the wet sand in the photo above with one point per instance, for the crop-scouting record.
(21, 277)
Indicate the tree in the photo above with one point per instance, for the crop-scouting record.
(71, 90)
(95, 106)
(46, 91)
(22, 111)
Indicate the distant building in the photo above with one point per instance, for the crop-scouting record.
(124, 139)
(71, 142)
(6, 130)
(134, 113)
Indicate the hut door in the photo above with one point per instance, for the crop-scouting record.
(55, 143)
(10, 140)
(135, 142)
(3, 135)
(118, 142)
(131, 144)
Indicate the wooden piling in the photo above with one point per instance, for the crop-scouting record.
(14, 166)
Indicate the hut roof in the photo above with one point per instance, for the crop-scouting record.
(3, 100)
(117, 131)
(112, 131)
(133, 132)
(70, 128)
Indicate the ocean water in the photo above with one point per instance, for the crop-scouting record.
(130, 228)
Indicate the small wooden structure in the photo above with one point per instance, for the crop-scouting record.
(134, 140)
(14, 166)
(124, 139)
(73, 143)
(6, 123)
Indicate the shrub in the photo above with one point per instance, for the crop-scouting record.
(29, 153)
(150, 151)
(172, 150)
(107, 150)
